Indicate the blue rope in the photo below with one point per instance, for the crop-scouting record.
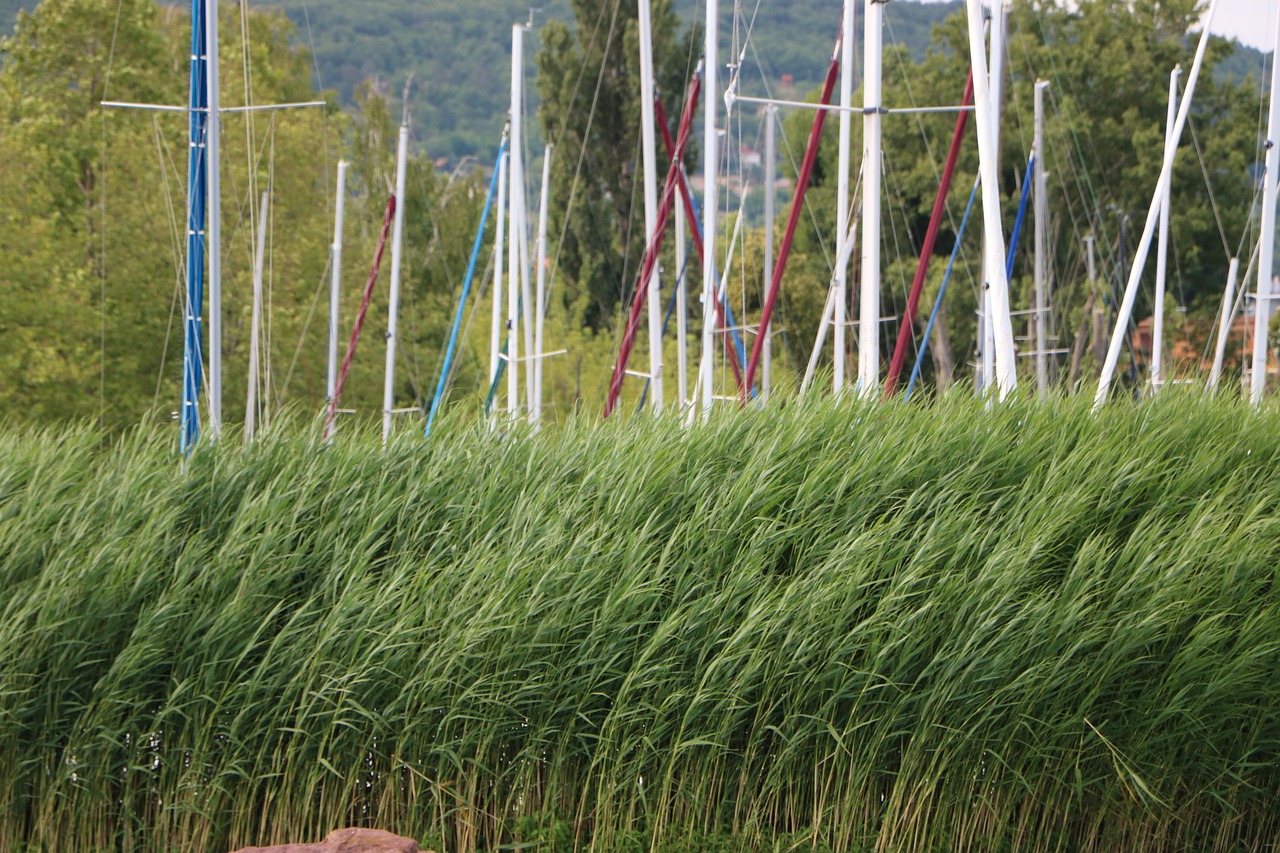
(937, 303)
(466, 290)
(1022, 213)
(1009, 260)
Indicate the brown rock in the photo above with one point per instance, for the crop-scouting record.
(348, 841)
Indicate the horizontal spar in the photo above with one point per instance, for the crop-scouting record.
(859, 110)
(170, 108)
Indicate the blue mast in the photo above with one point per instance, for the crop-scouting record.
(197, 185)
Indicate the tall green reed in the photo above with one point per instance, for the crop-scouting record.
(847, 627)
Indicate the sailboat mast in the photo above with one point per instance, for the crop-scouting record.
(1162, 248)
(540, 305)
(515, 201)
(495, 328)
(770, 179)
(869, 313)
(650, 165)
(995, 282)
(839, 323)
(1266, 254)
(212, 161)
(255, 325)
(335, 280)
(397, 240)
(1144, 245)
(1041, 244)
(1224, 323)
(710, 201)
(197, 187)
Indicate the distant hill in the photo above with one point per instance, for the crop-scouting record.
(459, 52)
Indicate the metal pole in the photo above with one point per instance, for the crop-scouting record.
(335, 280)
(842, 195)
(1042, 243)
(650, 164)
(540, 308)
(397, 238)
(1262, 301)
(1224, 324)
(770, 180)
(212, 163)
(682, 311)
(255, 323)
(495, 327)
(514, 199)
(1144, 246)
(869, 315)
(710, 202)
(996, 282)
(197, 185)
(1162, 249)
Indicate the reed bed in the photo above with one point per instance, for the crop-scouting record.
(824, 627)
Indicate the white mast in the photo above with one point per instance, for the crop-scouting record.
(397, 237)
(213, 228)
(335, 279)
(1042, 259)
(515, 201)
(255, 324)
(682, 311)
(999, 30)
(540, 306)
(710, 202)
(1224, 323)
(495, 328)
(1148, 231)
(869, 316)
(996, 283)
(842, 194)
(1262, 301)
(770, 171)
(1162, 249)
(650, 161)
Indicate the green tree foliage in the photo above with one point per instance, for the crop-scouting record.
(1108, 63)
(92, 217)
(589, 82)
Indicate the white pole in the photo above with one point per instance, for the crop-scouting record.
(397, 237)
(996, 61)
(1162, 249)
(255, 323)
(540, 309)
(650, 163)
(1144, 245)
(842, 195)
(996, 284)
(828, 310)
(495, 327)
(710, 201)
(682, 311)
(1262, 301)
(515, 202)
(335, 280)
(214, 226)
(1224, 324)
(1042, 252)
(869, 315)
(770, 179)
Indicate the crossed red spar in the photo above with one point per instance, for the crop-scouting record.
(653, 249)
(686, 197)
(793, 218)
(364, 309)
